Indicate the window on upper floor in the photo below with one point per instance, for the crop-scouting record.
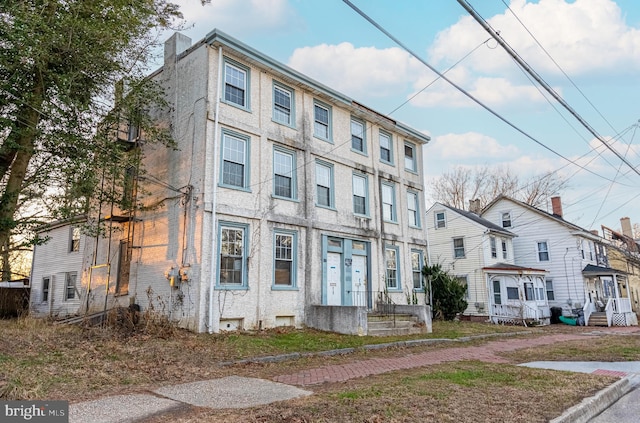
(413, 206)
(236, 84)
(504, 249)
(358, 140)
(360, 198)
(324, 185)
(283, 104)
(506, 220)
(440, 219)
(74, 242)
(388, 202)
(386, 147)
(322, 121)
(458, 248)
(410, 160)
(235, 154)
(494, 250)
(284, 174)
(543, 250)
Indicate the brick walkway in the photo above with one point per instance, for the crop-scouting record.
(487, 353)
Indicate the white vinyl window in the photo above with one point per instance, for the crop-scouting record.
(413, 209)
(282, 104)
(324, 184)
(440, 219)
(388, 203)
(235, 84)
(360, 200)
(358, 140)
(284, 175)
(458, 248)
(543, 251)
(70, 285)
(322, 121)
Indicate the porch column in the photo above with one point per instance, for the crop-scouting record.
(615, 287)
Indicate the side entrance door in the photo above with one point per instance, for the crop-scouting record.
(334, 279)
(359, 280)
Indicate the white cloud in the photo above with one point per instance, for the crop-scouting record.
(583, 36)
(470, 145)
(358, 72)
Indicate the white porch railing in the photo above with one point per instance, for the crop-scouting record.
(621, 305)
(521, 312)
(609, 310)
(587, 310)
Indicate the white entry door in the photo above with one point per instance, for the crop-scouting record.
(334, 279)
(359, 280)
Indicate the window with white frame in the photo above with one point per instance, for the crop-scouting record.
(410, 160)
(392, 271)
(529, 293)
(413, 209)
(543, 250)
(282, 104)
(463, 280)
(284, 259)
(360, 200)
(358, 140)
(324, 184)
(417, 262)
(386, 147)
(235, 152)
(232, 253)
(504, 249)
(512, 293)
(322, 121)
(284, 181)
(235, 84)
(506, 219)
(388, 202)
(458, 247)
(494, 250)
(549, 288)
(440, 219)
(46, 286)
(497, 291)
(70, 285)
(74, 244)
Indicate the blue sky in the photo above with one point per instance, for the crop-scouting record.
(595, 42)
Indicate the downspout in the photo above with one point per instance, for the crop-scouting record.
(214, 230)
(429, 264)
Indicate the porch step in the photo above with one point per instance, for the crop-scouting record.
(393, 325)
(598, 318)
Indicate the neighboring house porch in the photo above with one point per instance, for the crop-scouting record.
(607, 302)
(517, 295)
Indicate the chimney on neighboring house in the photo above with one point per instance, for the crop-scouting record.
(474, 206)
(595, 232)
(625, 222)
(556, 206)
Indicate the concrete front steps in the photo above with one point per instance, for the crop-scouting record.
(393, 325)
(598, 318)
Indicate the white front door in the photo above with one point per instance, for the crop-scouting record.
(334, 279)
(359, 280)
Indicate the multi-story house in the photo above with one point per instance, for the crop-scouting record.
(578, 272)
(285, 202)
(624, 255)
(480, 255)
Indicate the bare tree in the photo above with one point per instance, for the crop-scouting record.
(457, 187)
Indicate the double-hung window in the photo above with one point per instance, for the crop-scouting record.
(458, 248)
(392, 272)
(543, 251)
(388, 202)
(322, 121)
(504, 249)
(410, 162)
(413, 207)
(46, 286)
(360, 200)
(506, 220)
(494, 250)
(235, 152)
(284, 172)
(282, 104)
(549, 286)
(324, 184)
(70, 285)
(235, 84)
(386, 147)
(232, 248)
(441, 221)
(284, 259)
(74, 244)
(417, 260)
(358, 141)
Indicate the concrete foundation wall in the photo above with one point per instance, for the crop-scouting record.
(422, 313)
(347, 320)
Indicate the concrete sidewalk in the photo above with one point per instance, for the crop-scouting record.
(240, 392)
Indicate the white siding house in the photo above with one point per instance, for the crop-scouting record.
(480, 254)
(284, 203)
(578, 274)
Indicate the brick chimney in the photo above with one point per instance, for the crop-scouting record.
(556, 206)
(625, 222)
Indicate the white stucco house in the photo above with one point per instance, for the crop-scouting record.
(480, 255)
(578, 273)
(285, 202)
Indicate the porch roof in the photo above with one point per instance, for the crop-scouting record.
(513, 268)
(591, 270)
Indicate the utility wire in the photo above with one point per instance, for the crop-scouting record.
(463, 91)
(540, 81)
